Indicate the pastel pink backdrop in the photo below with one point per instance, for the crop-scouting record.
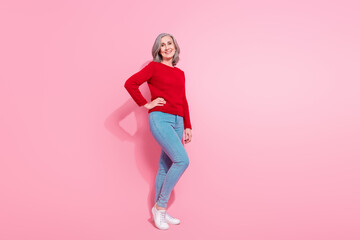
(273, 90)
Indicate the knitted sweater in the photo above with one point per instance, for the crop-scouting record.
(163, 81)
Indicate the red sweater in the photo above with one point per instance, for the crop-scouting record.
(163, 81)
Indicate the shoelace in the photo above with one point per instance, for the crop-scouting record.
(162, 216)
(170, 216)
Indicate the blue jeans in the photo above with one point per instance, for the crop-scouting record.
(168, 129)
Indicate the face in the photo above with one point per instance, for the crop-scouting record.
(167, 47)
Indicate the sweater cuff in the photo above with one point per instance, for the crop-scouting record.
(142, 103)
(187, 125)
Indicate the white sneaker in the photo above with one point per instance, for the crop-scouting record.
(171, 219)
(159, 218)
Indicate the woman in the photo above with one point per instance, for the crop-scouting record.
(168, 118)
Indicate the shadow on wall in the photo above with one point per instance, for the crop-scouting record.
(147, 150)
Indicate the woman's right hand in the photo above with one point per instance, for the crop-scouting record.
(156, 102)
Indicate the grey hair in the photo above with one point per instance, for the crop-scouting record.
(156, 49)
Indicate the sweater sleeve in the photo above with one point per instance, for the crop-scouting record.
(187, 122)
(133, 83)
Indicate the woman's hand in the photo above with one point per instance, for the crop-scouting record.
(188, 135)
(156, 102)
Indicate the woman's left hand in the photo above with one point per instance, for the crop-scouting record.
(188, 135)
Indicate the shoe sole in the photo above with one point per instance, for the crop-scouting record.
(173, 223)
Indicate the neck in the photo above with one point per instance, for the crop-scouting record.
(167, 62)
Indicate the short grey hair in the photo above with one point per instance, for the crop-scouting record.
(156, 49)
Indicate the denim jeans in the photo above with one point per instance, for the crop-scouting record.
(168, 129)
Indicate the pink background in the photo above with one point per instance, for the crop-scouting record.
(273, 90)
